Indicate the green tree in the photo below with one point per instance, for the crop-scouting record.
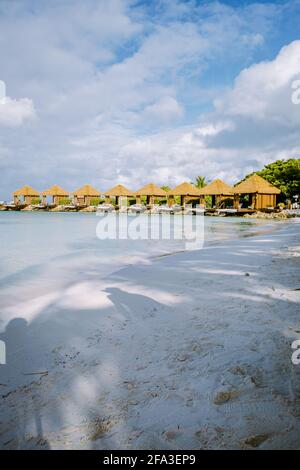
(200, 182)
(35, 200)
(285, 174)
(95, 201)
(64, 201)
(165, 187)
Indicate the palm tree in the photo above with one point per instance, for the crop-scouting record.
(200, 182)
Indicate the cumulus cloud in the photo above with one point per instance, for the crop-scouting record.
(14, 113)
(254, 123)
(264, 90)
(166, 110)
(130, 91)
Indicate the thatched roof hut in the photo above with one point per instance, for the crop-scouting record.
(56, 192)
(87, 190)
(151, 191)
(255, 184)
(185, 189)
(217, 188)
(262, 194)
(84, 195)
(27, 192)
(119, 190)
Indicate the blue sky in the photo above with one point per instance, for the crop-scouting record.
(133, 91)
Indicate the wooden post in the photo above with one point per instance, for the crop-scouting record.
(170, 200)
(254, 201)
(138, 199)
(236, 201)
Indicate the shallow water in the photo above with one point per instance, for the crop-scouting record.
(43, 252)
(31, 239)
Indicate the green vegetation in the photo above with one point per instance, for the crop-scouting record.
(95, 201)
(285, 174)
(200, 182)
(165, 187)
(35, 200)
(64, 201)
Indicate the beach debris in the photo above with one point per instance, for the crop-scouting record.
(99, 428)
(129, 384)
(45, 372)
(172, 434)
(225, 396)
(256, 440)
(182, 357)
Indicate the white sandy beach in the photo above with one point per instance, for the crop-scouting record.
(188, 351)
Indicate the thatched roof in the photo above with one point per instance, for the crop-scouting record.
(26, 191)
(151, 190)
(55, 190)
(185, 189)
(217, 188)
(119, 190)
(87, 190)
(256, 184)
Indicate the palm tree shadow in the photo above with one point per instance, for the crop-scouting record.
(132, 306)
(12, 378)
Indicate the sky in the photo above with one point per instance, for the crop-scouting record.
(127, 91)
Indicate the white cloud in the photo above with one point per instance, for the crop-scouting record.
(264, 90)
(124, 91)
(254, 123)
(166, 110)
(14, 113)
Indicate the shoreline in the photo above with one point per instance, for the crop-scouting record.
(190, 351)
(257, 214)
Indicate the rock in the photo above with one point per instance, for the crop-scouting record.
(89, 209)
(282, 215)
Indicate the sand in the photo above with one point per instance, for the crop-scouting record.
(192, 351)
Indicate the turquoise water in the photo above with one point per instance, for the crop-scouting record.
(43, 252)
(31, 239)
